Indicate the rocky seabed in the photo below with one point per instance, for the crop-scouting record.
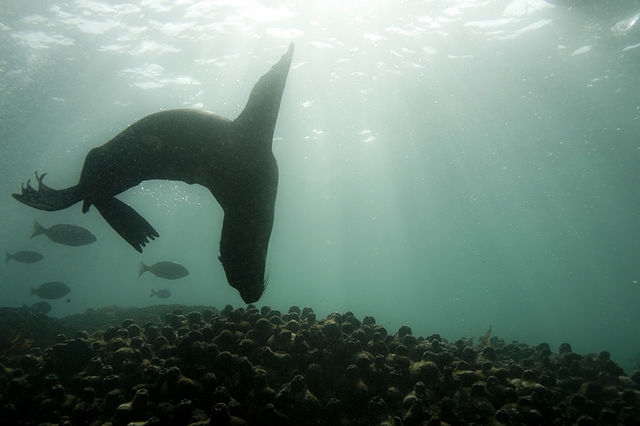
(249, 366)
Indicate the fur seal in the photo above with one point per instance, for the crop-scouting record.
(232, 158)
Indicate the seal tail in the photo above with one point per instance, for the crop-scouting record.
(153, 293)
(258, 119)
(126, 222)
(46, 198)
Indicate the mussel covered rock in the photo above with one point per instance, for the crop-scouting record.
(250, 366)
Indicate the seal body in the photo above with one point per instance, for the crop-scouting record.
(187, 145)
(232, 158)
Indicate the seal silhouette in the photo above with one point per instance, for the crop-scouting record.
(232, 158)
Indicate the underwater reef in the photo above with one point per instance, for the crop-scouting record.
(177, 365)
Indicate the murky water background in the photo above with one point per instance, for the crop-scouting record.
(447, 165)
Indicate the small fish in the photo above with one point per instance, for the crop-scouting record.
(40, 307)
(24, 256)
(71, 235)
(168, 270)
(162, 294)
(51, 290)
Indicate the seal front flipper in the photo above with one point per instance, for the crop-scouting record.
(46, 198)
(126, 222)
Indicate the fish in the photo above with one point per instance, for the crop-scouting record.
(162, 294)
(24, 256)
(167, 270)
(71, 235)
(40, 307)
(51, 290)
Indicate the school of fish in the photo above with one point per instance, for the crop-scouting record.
(75, 236)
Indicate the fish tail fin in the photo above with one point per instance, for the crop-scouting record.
(6, 259)
(37, 229)
(126, 222)
(153, 293)
(142, 268)
(32, 292)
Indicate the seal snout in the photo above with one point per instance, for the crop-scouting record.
(250, 293)
(251, 298)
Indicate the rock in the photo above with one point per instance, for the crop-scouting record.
(244, 366)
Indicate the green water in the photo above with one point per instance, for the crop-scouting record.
(447, 165)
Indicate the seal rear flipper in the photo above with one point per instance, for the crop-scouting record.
(257, 121)
(45, 198)
(127, 222)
